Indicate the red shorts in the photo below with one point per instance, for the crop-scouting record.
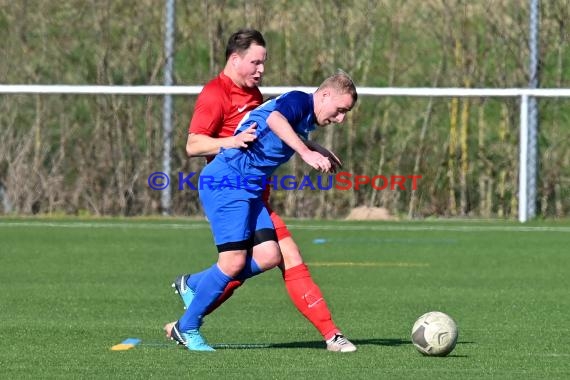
(280, 227)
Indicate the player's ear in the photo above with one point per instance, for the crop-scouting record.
(325, 94)
(234, 59)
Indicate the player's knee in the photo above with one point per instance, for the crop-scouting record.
(270, 260)
(275, 258)
(267, 255)
(232, 262)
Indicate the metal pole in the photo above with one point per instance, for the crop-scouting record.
(533, 109)
(167, 109)
(523, 161)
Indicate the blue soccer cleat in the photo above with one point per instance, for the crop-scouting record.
(192, 339)
(183, 290)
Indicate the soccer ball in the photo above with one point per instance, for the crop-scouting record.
(434, 334)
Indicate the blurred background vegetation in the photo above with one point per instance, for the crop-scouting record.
(86, 154)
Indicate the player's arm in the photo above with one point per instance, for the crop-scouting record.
(281, 127)
(199, 145)
(333, 158)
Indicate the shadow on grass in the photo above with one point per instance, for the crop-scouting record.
(390, 342)
(311, 344)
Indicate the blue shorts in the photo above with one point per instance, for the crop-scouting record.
(236, 212)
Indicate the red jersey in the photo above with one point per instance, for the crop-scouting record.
(220, 107)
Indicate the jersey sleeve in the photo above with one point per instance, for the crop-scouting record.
(294, 106)
(208, 116)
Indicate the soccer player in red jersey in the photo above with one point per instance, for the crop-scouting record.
(223, 102)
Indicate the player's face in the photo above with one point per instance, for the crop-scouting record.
(333, 108)
(251, 65)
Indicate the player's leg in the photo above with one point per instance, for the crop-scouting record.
(226, 210)
(229, 266)
(232, 285)
(256, 262)
(307, 297)
(265, 252)
(238, 265)
(215, 279)
(233, 238)
(185, 285)
(303, 291)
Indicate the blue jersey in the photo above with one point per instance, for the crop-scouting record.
(268, 151)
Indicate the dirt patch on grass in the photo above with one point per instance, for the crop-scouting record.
(369, 213)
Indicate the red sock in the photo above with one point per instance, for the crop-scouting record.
(228, 292)
(309, 300)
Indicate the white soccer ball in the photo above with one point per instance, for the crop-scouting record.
(435, 334)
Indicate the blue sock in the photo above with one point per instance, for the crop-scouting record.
(195, 279)
(209, 288)
(249, 270)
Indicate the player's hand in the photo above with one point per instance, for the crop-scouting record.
(242, 139)
(336, 163)
(317, 161)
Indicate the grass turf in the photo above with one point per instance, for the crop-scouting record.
(71, 289)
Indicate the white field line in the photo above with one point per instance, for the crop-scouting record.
(382, 264)
(330, 227)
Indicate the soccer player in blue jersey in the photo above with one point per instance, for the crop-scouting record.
(233, 184)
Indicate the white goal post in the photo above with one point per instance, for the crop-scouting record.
(522, 93)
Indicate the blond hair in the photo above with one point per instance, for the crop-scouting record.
(342, 83)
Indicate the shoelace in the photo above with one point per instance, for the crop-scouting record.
(340, 339)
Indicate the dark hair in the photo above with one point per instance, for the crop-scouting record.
(241, 40)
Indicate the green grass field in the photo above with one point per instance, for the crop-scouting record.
(71, 289)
